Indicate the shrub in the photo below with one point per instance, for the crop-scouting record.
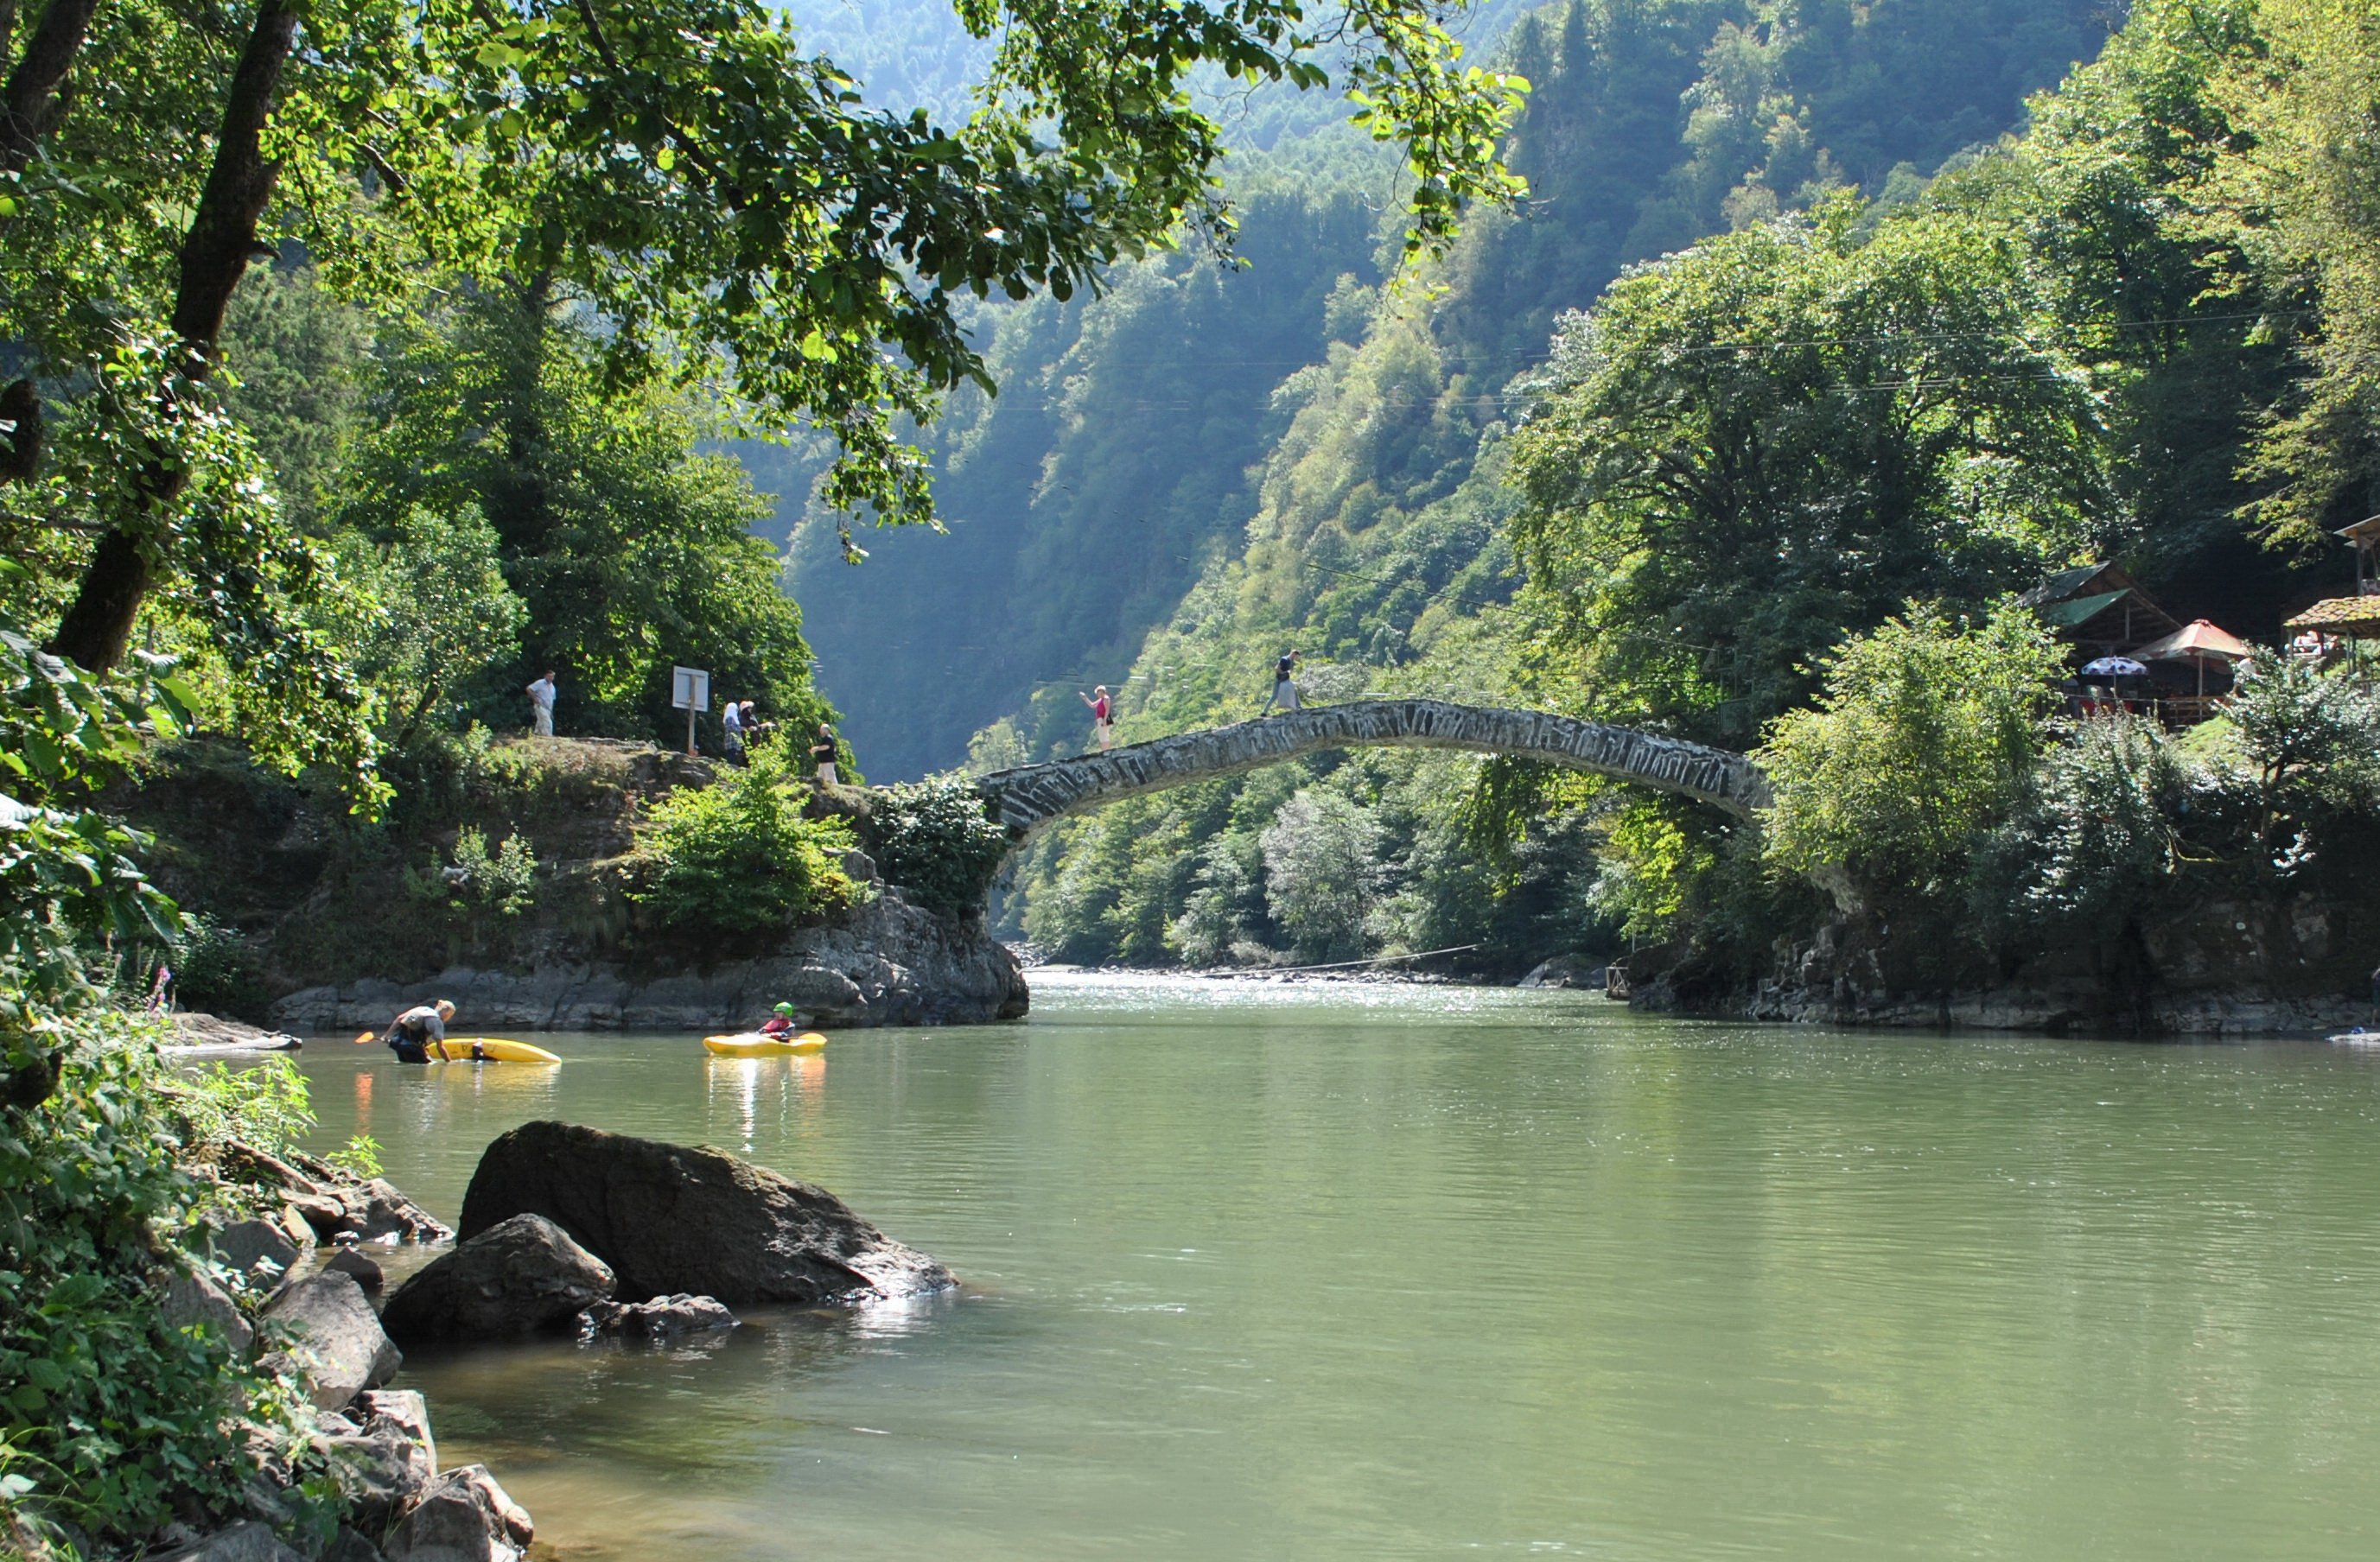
(110, 1417)
(2096, 842)
(736, 859)
(215, 971)
(935, 840)
(1924, 738)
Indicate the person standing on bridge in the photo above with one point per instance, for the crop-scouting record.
(1102, 714)
(1284, 688)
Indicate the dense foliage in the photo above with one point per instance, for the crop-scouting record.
(572, 527)
(108, 1417)
(1381, 532)
(1925, 735)
(720, 866)
(935, 840)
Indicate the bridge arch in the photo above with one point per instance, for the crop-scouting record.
(1031, 798)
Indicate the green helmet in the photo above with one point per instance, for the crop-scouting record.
(786, 1010)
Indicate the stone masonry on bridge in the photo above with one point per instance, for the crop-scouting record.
(1030, 796)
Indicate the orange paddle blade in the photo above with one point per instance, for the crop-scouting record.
(366, 1038)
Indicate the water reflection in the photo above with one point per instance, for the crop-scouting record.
(1365, 1272)
(790, 1090)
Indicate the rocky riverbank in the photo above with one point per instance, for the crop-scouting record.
(318, 923)
(889, 964)
(566, 1229)
(2219, 968)
(289, 1287)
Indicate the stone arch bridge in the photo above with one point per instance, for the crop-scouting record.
(1030, 797)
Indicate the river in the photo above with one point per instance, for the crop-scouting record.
(1259, 1271)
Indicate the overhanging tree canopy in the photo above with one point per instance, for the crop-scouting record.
(727, 201)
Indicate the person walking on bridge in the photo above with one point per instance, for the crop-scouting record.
(1102, 714)
(1285, 687)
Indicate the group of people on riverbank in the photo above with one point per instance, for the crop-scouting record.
(739, 720)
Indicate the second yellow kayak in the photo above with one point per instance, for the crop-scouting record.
(752, 1043)
(487, 1049)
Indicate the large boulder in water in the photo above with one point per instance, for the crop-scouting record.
(515, 1278)
(669, 1218)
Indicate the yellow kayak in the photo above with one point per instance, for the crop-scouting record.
(487, 1049)
(752, 1043)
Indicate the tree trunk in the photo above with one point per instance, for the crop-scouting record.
(33, 86)
(215, 254)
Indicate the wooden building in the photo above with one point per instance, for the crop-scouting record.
(2098, 610)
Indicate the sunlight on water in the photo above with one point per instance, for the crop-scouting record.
(1271, 1270)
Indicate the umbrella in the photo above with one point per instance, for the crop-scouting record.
(2200, 643)
(2113, 667)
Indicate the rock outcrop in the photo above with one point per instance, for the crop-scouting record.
(329, 1332)
(262, 1250)
(380, 1471)
(668, 1219)
(194, 1300)
(464, 1517)
(663, 1317)
(247, 1541)
(889, 964)
(517, 1276)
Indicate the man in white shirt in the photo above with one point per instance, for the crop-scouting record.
(540, 707)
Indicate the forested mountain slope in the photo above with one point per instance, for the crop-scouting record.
(1091, 495)
(1084, 499)
(1378, 545)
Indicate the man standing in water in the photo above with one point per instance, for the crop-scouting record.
(540, 705)
(411, 1033)
(1284, 691)
(1102, 714)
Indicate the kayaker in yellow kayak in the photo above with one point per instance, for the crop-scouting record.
(780, 1022)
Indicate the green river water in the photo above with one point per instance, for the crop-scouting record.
(1258, 1271)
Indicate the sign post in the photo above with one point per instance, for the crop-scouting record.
(690, 692)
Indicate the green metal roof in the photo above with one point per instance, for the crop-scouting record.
(2081, 611)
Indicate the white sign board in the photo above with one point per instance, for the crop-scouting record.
(689, 688)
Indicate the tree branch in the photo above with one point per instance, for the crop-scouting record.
(33, 86)
(215, 254)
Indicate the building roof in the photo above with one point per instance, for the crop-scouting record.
(2364, 533)
(2341, 615)
(2098, 604)
(2080, 610)
(2069, 583)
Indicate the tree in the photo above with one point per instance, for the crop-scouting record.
(1322, 867)
(2298, 188)
(425, 612)
(628, 548)
(1751, 448)
(724, 200)
(1925, 737)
